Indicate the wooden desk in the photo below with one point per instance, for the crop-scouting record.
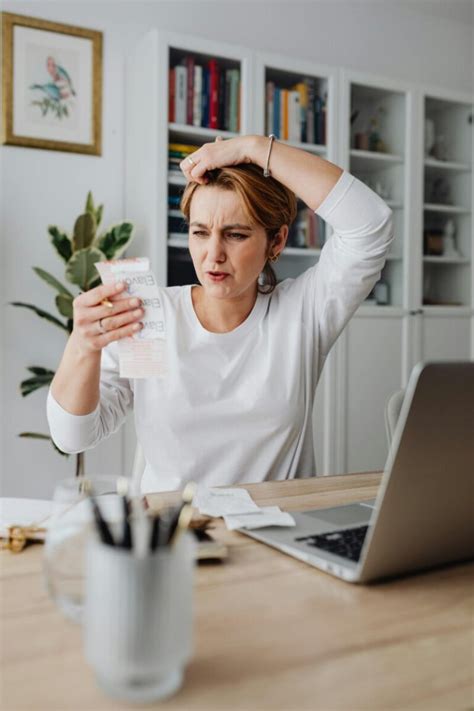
(270, 631)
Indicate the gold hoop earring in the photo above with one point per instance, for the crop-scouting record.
(273, 257)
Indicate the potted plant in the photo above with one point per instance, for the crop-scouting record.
(79, 252)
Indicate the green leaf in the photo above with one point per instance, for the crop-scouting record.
(80, 269)
(34, 435)
(31, 384)
(52, 281)
(41, 313)
(114, 242)
(98, 215)
(37, 435)
(64, 304)
(84, 231)
(90, 203)
(96, 282)
(61, 242)
(38, 370)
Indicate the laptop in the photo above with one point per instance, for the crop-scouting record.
(423, 515)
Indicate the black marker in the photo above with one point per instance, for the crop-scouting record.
(127, 531)
(155, 534)
(102, 527)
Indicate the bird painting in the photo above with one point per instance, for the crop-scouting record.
(57, 93)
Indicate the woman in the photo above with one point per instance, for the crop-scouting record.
(244, 358)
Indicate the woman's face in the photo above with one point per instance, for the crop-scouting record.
(228, 252)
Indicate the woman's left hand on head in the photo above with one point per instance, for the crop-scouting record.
(215, 155)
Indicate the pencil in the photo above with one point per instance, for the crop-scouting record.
(180, 523)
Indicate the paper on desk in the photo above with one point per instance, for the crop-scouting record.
(143, 354)
(219, 502)
(266, 516)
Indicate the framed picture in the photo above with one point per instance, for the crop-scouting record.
(51, 85)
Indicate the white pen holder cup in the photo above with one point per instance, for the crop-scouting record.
(138, 618)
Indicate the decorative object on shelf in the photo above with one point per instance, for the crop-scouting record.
(361, 141)
(449, 245)
(433, 243)
(52, 85)
(440, 148)
(376, 143)
(382, 293)
(439, 191)
(80, 253)
(429, 137)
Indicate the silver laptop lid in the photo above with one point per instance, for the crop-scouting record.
(424, 514)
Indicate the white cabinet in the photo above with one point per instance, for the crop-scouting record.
(445, 337)
(373, 351)
(375, 119)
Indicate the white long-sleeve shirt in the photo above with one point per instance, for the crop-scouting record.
(236, 407)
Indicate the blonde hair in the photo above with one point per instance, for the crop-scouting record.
(267, 203)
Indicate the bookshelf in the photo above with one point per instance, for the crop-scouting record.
(447, 202)
(376, 128)
(295, 100)
(374, 145)
(156, 76)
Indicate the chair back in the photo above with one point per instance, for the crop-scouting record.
(392, 412)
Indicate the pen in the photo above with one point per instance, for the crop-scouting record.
(180, 522)
(122, 488)
(127, 531)
(102, 527)
(155, 534)
(183, 515)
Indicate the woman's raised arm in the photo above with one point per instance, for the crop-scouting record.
(310, 177)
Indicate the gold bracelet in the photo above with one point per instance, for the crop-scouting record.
(266, 171)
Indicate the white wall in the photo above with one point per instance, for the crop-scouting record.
(398, 39)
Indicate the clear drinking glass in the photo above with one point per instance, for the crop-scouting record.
(70, 526)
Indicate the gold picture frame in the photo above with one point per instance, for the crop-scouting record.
(51, 85)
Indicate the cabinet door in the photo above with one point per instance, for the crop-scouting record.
(446, 337)
(373, 352)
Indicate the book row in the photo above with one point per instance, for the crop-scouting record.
(296, 114)
(307, 231)
(206, 95)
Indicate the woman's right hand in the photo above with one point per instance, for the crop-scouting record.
(97, 324)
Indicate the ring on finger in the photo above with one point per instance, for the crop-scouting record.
(191, 160)
(101, 326)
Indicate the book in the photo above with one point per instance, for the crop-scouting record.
(205, 98)
(214, 94)
(171, 90)
(269, 106)
(221, 100)
(180, 94)
(276, 111)
(197, 101)
(294, 117)
(189, 63)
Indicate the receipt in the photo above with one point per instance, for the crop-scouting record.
(143, 354)
(219, 502)
(266, 516)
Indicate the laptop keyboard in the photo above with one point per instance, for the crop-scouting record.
(347, 543)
